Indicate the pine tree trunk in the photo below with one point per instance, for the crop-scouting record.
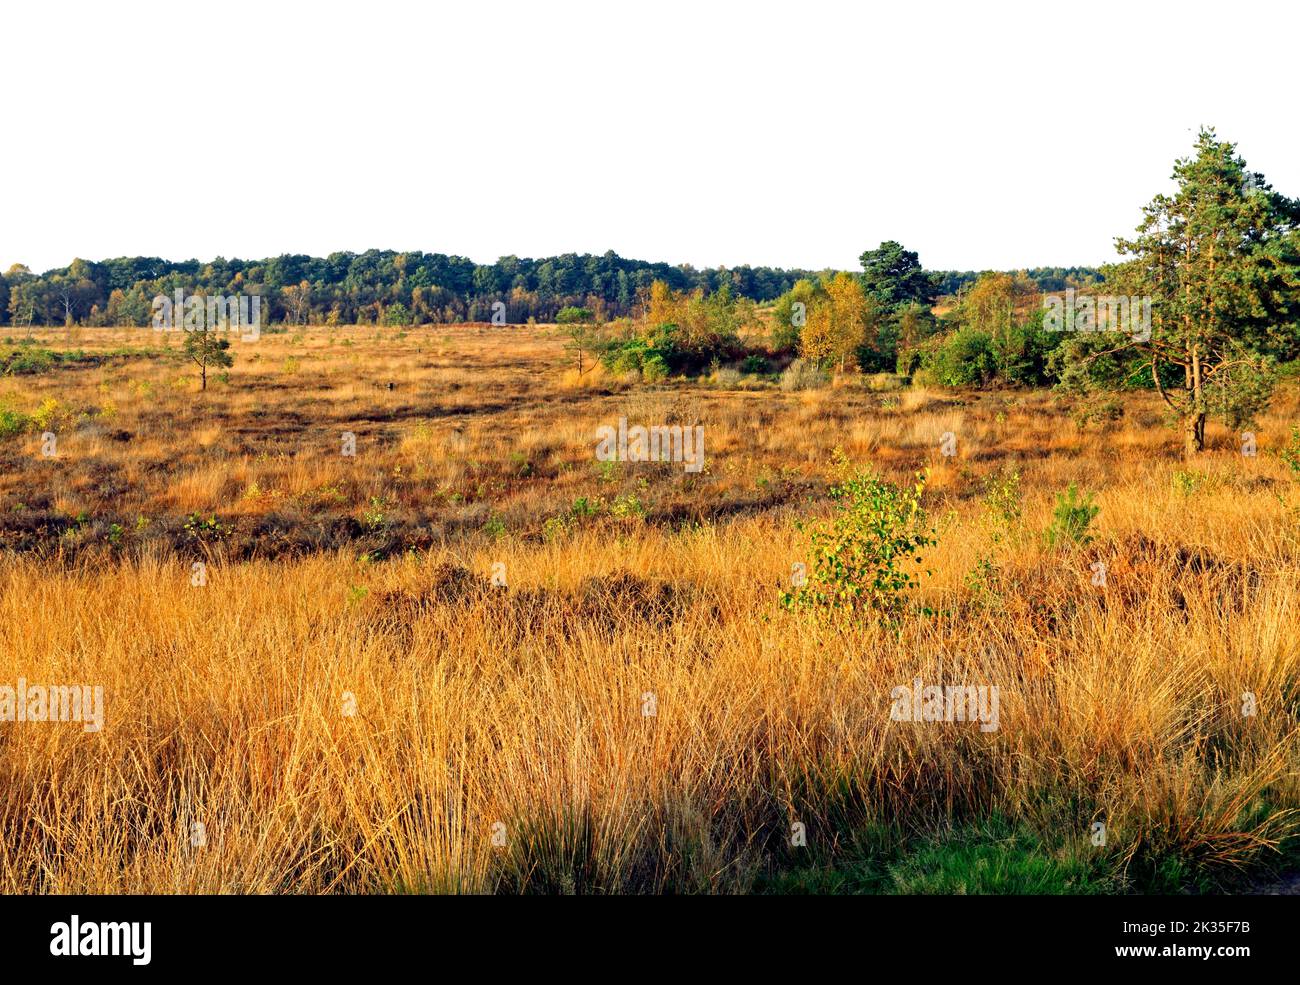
(1194, 422)
(1193, 434)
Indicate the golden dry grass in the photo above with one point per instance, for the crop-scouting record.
(522, 706)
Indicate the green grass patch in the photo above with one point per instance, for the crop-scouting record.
(987, 859)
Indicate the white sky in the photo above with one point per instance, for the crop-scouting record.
(983, 135)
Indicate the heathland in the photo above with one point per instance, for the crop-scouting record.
(472, 656)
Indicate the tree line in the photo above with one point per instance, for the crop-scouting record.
(383, 287)
(376, 287)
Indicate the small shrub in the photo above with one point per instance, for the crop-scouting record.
(983, 580)
(626, 360)
(627, 507)
(1290, 453)
(50, 412)
(584, 508)
(1187, 481)
(376, 515)
(862, 560)
(198, 528)
(1002, 497)
(26, 360)
(1071, 518)
(12, 422)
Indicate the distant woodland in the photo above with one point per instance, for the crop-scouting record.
(390, 288)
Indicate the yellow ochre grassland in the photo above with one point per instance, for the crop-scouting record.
(471, 657)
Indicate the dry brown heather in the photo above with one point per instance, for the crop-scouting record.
(523, 705)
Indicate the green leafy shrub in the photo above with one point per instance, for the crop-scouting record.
(1187, 481)
(1002, 496)
(654, 368)
(1290, 453)
(983, 580)
(584, 508)
(375, 516)
(198, 528)
(1022, 353)
(862, 561)
(965, 358)
(627, 507)
(48, 414)
(12, 422)
(659, 348)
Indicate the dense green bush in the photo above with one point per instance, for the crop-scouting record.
(663, 353)
(1022, 353)
(659, 349)
(12, 422)
(654, 368)
(964, 358)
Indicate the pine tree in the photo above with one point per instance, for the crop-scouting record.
(206, 348)
(1220, 258)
